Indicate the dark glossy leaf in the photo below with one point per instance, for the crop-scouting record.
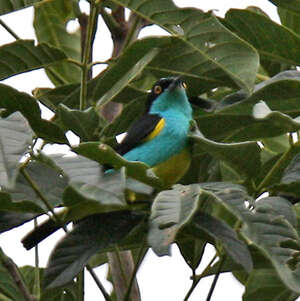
(270, 227)
(8, 286)
(192, 251)
(289, 19)
(221, 232)
(50, 20)
(84, 124)
(290, 180)
(243, 157)
(264, 284)
(236, 121)
(13, 100)
(15, 140)
(142, 55)
(266, 36)
(10, 220)
(209, 46)
(7, 6)
(23, 55)
(7, 204)
(95, 233)
(293, 5)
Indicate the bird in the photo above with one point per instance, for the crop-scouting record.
(158, 138)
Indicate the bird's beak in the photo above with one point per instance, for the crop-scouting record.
(177, 81)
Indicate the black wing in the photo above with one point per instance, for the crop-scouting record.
(139, 130)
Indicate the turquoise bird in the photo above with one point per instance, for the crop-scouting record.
(159, 138)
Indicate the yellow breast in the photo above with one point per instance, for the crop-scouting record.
(172, 170)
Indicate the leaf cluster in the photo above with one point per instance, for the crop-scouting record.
(241, 192)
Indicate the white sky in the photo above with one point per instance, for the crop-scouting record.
(165, 278)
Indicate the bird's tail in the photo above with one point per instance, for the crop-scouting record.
(41, 232)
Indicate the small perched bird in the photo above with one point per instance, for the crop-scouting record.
(158, 138)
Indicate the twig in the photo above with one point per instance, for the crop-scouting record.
(196, 280)
(213, 285)
(80, 286)
(15, 274)
(9, 30)
(98, 283)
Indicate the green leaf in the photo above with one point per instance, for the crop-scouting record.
(84, 124)
(192, 251)
(266, 36)
(203, 47)
(10, 220)
(95, 233)
(171, 211)
(264, 284)
(293, 5)
(51, 98)
(90, 191)
(104, 154)
(7, 6)
(8, 286)
(48, 180)
(119, 80)
(15, 140)
(243, 157)
(221, 232)
(23, 55)
(290, 180)
(12, 100)
(50, 19)
(289, 19)
(174, 209)
(270, 227)
(270, 91)
(236, 121)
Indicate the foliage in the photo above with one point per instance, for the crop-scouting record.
(241, 192)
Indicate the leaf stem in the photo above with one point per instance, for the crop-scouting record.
(15, 274)
(199, 277)
(8, 29)
(262, 77)
(87, 54)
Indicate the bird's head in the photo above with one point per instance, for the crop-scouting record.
(168, 93)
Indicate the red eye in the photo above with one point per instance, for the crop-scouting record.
(157, 89)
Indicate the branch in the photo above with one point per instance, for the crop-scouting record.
(9, 30)
(198, 278)
(87, 49)
(122, 266)
(15, 274)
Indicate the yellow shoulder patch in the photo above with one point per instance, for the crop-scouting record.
(160, 125)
